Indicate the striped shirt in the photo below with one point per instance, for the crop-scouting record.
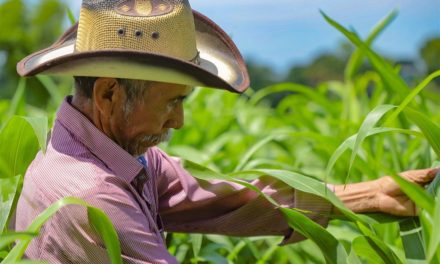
(142, 202)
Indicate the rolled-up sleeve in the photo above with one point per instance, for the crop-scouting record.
(187, 204)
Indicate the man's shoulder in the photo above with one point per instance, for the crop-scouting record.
(61, 174)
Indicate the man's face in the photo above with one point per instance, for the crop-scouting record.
(152, 117)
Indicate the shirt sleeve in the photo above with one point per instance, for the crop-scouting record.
(187, 204)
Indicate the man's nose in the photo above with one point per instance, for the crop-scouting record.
(176, 120)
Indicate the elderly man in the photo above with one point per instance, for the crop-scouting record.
(135, 62)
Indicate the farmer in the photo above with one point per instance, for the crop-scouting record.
(134, 63)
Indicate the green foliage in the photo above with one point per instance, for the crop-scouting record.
(352, 125)
(27, 26)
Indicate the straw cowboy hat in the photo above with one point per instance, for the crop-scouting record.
(157, 40)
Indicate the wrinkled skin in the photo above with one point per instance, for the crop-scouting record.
(148, 123)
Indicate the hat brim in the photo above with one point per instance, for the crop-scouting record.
(221, 64)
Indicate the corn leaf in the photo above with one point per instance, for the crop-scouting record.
(18, 101)
(55, 94)
(374, 250)
(434, 243)
(350, 142)
(386, 71)
(70, 15)
(196, 241)
(303, 90)
(356, 58)
(416, 193)
(254, 149)
(8, 238)
(411, 97)
(97, 218)
(39, 126)
(18, 146)
(370, 121)
(333, 251)
(428, 128)
(8, 190)
(412, 239)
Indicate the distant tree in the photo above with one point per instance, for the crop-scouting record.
(430, 53)
(260, 74)
(323, 68)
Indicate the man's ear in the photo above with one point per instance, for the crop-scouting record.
(107, 94)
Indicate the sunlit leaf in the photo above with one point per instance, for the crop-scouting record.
(429, 128)
(364, 131)
(374, 250)
(356, 58)
(8, 190)
(350, 142)
(417, 194)
(412, 239)
(411, 96)
(196, 241)
(332, 250)
(387, 72)
(8, 238)
(97, 218)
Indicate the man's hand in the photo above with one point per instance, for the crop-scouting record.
(384, 194)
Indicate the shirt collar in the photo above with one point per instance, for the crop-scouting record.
(115, 158)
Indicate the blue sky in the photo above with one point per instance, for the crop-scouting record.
(285, 32)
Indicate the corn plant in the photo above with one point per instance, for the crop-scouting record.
(371, 124)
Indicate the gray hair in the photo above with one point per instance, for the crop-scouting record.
(134, 90)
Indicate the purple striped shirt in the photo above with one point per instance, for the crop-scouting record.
(83, 162)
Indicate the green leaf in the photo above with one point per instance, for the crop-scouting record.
(434, 243)
(104, 227)
(374, 250)
(412, 239)
(302, 90)
(350, 142)
(8, 238)
(434, 187)
(8, 190)
(306, 184)
(370, 121)
(18, 100)
(428, 128)
(416, 193)
(196, 241)
(55, 94)
(411, 96)
(232, 256)
(39, 125)
(386, 71)
(18, 146)
(252, 150)
(330, 247)
(70, 15)
(356, 58)
(97, 218)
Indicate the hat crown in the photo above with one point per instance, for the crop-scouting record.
(155, 26)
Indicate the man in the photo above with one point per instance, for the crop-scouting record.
(135, 62)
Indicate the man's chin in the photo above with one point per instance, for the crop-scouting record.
(149, 141)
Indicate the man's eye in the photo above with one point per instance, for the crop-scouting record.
(173, 103)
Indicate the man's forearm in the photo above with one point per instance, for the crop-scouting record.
(359, 197)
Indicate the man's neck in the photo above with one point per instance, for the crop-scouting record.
(83, 105)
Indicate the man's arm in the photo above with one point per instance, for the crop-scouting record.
(383, 195)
